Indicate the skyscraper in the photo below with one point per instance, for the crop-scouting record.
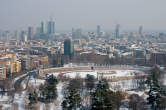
(140, 30)
(68, 47)
(16, 35)
(42, 28)
(98, 30)
(23, 36)
(76, 33)
(117, 33)
(30, 33)
(51, 27)
(73, 33)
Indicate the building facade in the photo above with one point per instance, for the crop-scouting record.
(68, 47)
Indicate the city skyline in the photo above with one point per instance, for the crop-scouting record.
(82, 55)
(84, 14)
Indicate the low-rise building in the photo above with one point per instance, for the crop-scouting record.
(14, 65)
(3, 73)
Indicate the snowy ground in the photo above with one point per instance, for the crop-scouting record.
(56, 105)
(21, 98)
(140, 93)
(4, 98)
(126, 84)
(82, 74)
(36, 82)
(60, 95)
(72, 74)
(4, 101)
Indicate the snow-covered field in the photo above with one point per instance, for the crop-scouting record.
(56, 105)
(82, 74)
(60, 95)
(21, 98)
(18, 100)
(72, 74)
(126, 84)
(140, 93)
(36, 82)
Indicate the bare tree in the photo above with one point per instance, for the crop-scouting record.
(1, 106)
(14, 106)
(137, 103)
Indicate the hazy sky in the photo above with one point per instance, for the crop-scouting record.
(86, 14)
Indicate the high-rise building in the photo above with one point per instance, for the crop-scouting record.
(73, 33)
(68, 47)
(117, 31)
(98, 30)
(23, 36)
(30, 33)
(16, 35)
(42, 28)
(140, 30)
(51, 27)
(76, 33)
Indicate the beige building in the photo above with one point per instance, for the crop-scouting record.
(2, 73)
(15, 66)
(44, 61)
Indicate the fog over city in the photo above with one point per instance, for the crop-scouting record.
(86, 14)
(82, 54)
